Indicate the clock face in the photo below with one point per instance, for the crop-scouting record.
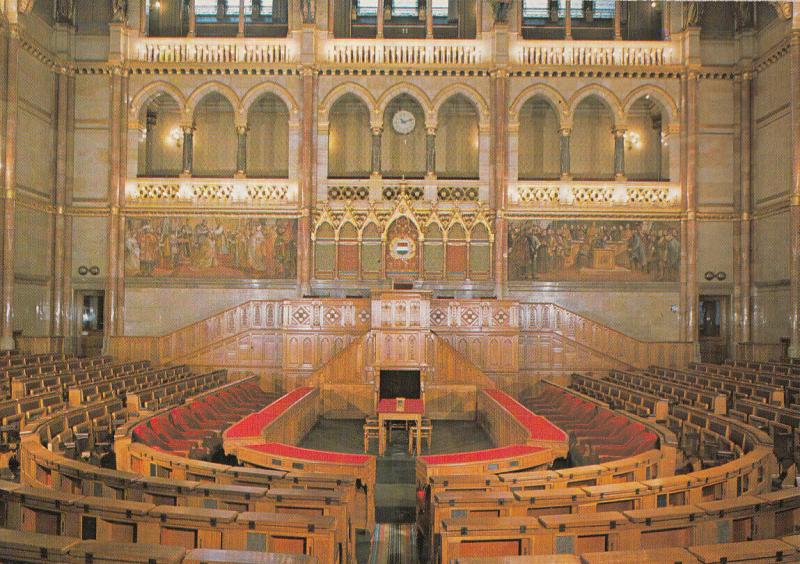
(404, 122)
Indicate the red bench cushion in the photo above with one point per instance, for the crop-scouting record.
(251, 425)
(289, 451)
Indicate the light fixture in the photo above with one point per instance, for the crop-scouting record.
(634, 139)
(157, 5)
(176, 135)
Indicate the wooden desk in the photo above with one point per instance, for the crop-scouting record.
(388, 411)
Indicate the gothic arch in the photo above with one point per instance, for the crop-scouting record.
(150, 92)
(661, 95)
(557, 101)
(604, 94)
(468, 92)
(260, 90)
(404, 88)
(209, 87)
(348, 88)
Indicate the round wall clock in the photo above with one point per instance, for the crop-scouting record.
(404, 122)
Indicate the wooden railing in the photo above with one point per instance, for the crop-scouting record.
(345, 382)
(552, 318)
(760, 352)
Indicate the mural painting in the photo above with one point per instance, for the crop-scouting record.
(571, 250)
(168, 247)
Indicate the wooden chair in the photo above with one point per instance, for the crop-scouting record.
(426, 434)
(371, 431)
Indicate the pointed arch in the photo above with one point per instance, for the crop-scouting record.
(149, 93)
(343, 89)
(260, 90)
(222, 89)
(411, 90)
(604, 94)
(659, 94)
(468, 92)
(556, 100)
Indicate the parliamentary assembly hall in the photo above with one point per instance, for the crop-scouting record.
(399, 282)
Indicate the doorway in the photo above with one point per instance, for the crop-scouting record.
(713, 328)
(90, 317)
(400, 384)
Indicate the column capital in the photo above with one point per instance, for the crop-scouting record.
(377, 130)
(430, 129)
(619, 131)
(565, 131)
(187, 129)
(241, 129)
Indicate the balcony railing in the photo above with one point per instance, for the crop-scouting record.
(216, 50)
(595, 53)
(210, 191)
(387, 190)
(406, 52)
(595, 194)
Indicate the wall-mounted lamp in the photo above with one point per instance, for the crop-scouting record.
(176, 135)
(633, 139)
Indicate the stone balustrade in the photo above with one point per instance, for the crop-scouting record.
(358, 190)
(595, 53)
(215, 50)
(210, 191)
(592, 194)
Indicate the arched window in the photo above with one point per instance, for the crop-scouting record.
(160, 142)
(646, 154)
(592, 143)
(539, 140)
(457, 139)
(268, 138)
(349, 139)
(215, 139)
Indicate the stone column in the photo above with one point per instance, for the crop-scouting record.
(794, 50)
(429, 19)
(241, 150)
(57, 305)
(568, 19)
(618, 20)
(691, 321)
(192, 19)
(188, 150)
(307, 185)
(240, 30)
(430, 152)
(499, 118)
(379, 19)
(115, 221)
(619, 154)
(10, 181)
(743, 290)
(377, 132)
(565, 136)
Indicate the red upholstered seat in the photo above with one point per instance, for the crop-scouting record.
(289, 451)
(510, 451)
(251, 425)
(538, 427)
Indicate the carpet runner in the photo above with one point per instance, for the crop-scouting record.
(393, 543)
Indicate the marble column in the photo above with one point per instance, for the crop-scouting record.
(565, 136)
(57, 305)
(10, 181)
(306, 194)
(430, 152)
(692, 297)
(115, 222)
(376, 151)
(192, 19)
(743, 290)
(188, 150)
(119, 271)
(241, 150)
(429, 19)
(794, 52)
(568, 19)
(379, 19)
(240, 30)
(500, 143)
(619, 154)
(618, 20)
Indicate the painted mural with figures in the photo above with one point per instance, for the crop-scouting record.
(182, 247)
(572, 250)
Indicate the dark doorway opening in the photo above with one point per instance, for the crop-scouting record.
(400, 384)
